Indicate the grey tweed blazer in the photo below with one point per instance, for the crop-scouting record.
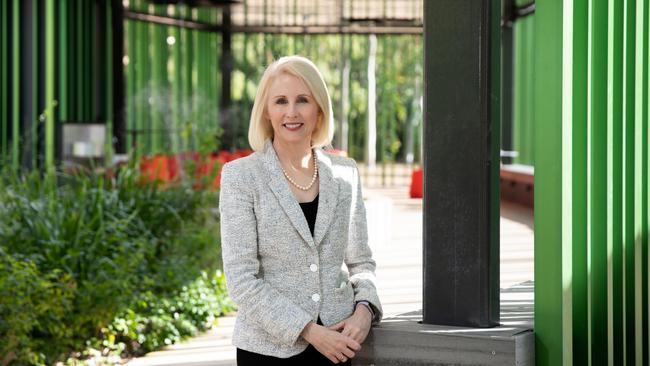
(280, 276)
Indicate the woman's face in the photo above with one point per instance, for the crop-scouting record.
(292, 109)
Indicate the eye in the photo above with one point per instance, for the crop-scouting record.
(281, 101)
(303, 100)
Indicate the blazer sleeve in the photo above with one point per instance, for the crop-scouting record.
(358, 256)
(257, 300)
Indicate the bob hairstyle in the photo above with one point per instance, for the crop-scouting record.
(260, 128)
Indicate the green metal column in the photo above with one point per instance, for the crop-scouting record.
(596, 184)
(615, 288)
(628, 181)
(552, 259)
(640, 182)
(49, 86)
(522, 121)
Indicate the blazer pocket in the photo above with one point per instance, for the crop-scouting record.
(343, 290)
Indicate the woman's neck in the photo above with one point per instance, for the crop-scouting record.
(296, 155)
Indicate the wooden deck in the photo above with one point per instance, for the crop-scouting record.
(395, 227)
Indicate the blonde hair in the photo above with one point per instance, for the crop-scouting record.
(260, 128)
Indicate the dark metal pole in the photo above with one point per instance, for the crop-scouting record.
(27, 104)
(461, 285)
(225, 107)
(507, 78)
(119, 84)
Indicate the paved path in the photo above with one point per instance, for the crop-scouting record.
(395, 228)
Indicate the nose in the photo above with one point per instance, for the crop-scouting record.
(292, 110)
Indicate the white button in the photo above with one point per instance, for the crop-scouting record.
(315, 297)
(313, 267)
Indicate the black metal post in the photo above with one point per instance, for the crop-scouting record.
(27, 103)
(461, 285)
(507, 78)
(119, 84)
(225, 107)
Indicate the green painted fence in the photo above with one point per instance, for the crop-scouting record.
(54, 63)
(174, 83)
(591, 182)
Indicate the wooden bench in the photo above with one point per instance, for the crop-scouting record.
(518, 184)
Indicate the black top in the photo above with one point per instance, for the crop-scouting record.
(309, 209)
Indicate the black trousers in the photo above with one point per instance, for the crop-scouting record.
(310, 356)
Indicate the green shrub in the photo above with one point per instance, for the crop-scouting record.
(78, 253)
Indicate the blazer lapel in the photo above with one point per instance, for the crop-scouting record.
(328, 196)
(281, 189)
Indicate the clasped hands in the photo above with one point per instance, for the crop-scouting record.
(340, 341)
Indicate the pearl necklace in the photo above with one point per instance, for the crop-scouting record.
(313, 177)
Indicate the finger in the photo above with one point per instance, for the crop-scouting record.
(348, 352)
(333, 358)
(347, 332)
(337, 326)
(354, 345)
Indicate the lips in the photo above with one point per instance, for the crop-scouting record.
(292, 126)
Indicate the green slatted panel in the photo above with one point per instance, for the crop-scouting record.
(157, 60)
(186, 76)
(186, 80)
(141, 86)
(644, 188)
(591, 149)
(576, 174)
(596, 185)
(638, 166)
(199, 88)
(195, 55)
(66, 35)
(552, 288)
(176, 83)
(628, 175)
(615, 309)
(129, 71)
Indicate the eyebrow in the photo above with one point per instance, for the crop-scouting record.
(299, 95)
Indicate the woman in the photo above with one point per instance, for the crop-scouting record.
(291, 215)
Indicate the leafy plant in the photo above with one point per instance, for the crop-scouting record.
(78, 252)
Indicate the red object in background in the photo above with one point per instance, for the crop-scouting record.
(166, 168)
(159, 167)
(416, 183)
